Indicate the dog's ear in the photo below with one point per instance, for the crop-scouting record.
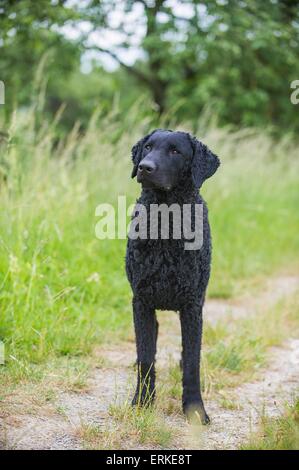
(137, 152)
(204, 163)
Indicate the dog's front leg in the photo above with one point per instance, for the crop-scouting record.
(191, 326)
(146, 330)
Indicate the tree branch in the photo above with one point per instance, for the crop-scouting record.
(131, 69)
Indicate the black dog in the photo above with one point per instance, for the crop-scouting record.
(171, 166)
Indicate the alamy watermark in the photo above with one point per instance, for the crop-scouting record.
(158, 221)
(295, 94)
(2, 93)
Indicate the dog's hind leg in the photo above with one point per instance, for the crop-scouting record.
(146, 331)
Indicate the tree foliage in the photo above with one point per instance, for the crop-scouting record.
(236, 57)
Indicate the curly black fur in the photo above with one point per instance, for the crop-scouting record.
(163, 275)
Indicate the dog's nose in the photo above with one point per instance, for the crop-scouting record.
(147, 167)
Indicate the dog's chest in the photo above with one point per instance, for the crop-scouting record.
(162, 270)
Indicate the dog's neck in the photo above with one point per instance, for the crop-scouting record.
(183, 193)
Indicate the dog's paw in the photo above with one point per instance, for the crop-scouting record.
(195, 412)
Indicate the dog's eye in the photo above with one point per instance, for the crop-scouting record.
(174, 151)
(148, 147)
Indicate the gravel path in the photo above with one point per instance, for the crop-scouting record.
(229, 428)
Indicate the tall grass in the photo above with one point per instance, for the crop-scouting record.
(61, 289)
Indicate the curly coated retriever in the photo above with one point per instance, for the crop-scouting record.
(171, 166)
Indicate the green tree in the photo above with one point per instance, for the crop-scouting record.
(237, 56)
(28, 31)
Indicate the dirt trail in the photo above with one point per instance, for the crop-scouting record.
(274, 290)
(265, 397)
(58, 428)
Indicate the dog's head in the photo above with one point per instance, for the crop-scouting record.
(164, 158)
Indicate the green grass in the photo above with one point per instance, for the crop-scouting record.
(277, 434)
(130, 428)
(62, 291)
(233, 353)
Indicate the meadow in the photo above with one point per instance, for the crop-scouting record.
(61, 289)
(63, 292)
